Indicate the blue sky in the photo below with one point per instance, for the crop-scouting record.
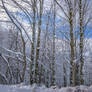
(60, 29)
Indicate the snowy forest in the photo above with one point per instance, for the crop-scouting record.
(46, 42)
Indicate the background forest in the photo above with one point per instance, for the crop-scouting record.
(46, 42)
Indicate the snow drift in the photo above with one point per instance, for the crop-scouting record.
(35, 88)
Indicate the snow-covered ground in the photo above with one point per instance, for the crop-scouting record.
(34, 88)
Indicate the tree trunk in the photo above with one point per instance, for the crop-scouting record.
(72, 69)
(37, 74)
(32, 64)
(81, 42)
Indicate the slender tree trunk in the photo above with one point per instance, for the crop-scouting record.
(32, 65)
(24, 58)
(65, 80)
(81, 42)
(53, 57)
(72, 69)
(37, 76)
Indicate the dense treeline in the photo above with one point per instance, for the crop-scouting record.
(45, 41)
